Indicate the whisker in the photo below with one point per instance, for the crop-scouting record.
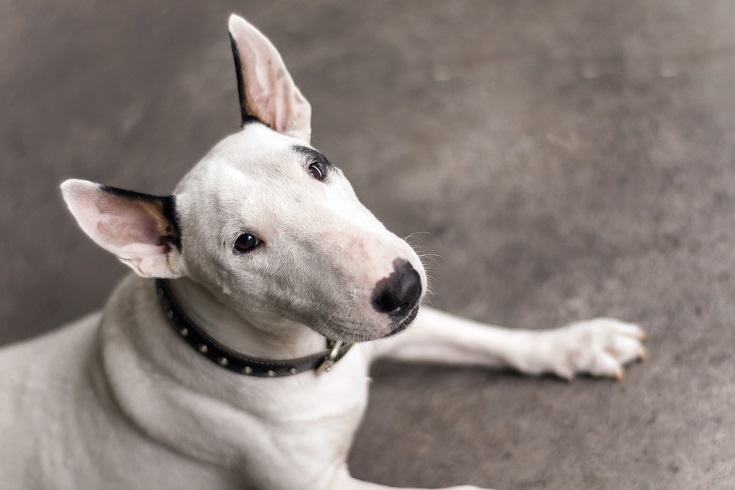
(407, 237)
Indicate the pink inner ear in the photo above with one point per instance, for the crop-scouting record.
(133, 227)
(270, 91)
(124, 226)
(128, 226)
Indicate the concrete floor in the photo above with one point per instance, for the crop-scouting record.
(568, 159)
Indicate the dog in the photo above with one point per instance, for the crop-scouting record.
(236, 356)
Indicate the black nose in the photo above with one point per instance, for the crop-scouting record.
(398, 293)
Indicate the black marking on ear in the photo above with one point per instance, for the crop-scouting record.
(165, 204)
(245, 115)
(169, 212)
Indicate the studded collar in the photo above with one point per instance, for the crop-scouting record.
(234, 361)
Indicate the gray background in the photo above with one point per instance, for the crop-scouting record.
(567, 159)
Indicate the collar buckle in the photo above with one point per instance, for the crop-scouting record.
(331, 359)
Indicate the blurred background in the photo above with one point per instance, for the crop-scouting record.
(563, 159)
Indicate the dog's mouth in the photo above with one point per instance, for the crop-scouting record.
(403, 324)
(347, 332)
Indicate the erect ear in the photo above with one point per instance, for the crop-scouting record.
(267, 92)
(139, 229)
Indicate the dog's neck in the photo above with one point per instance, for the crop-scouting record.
(253, 335)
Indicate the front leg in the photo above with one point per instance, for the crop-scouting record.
(599, 347)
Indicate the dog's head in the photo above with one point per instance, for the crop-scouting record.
(265, 221)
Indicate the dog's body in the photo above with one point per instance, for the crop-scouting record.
(267, 248)
(118, 401)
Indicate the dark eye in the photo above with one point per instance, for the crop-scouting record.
(315, 171)
(246, 242)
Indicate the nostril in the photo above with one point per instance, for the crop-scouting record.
(398, 293)
(388, 302)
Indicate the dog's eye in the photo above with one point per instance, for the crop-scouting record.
(315, 171)
(246, 242)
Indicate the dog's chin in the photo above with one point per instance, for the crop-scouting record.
(351, 335)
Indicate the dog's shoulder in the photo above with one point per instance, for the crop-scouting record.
(41, 380)
(41, 361)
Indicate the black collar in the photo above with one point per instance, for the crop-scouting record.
(236, 362)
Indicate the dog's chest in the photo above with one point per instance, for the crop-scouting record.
(306, 424)
(276, 432)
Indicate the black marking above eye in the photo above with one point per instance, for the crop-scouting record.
(316, 163)
(246, 242)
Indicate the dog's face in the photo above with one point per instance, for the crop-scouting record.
(273, 227)
(265, 221)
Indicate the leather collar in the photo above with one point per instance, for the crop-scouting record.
(237, 362)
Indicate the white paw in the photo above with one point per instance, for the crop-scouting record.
(599, 347)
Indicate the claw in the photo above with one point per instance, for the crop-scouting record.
(619, 375)
(566, 374)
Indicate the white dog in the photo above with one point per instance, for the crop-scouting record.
(228, 361)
